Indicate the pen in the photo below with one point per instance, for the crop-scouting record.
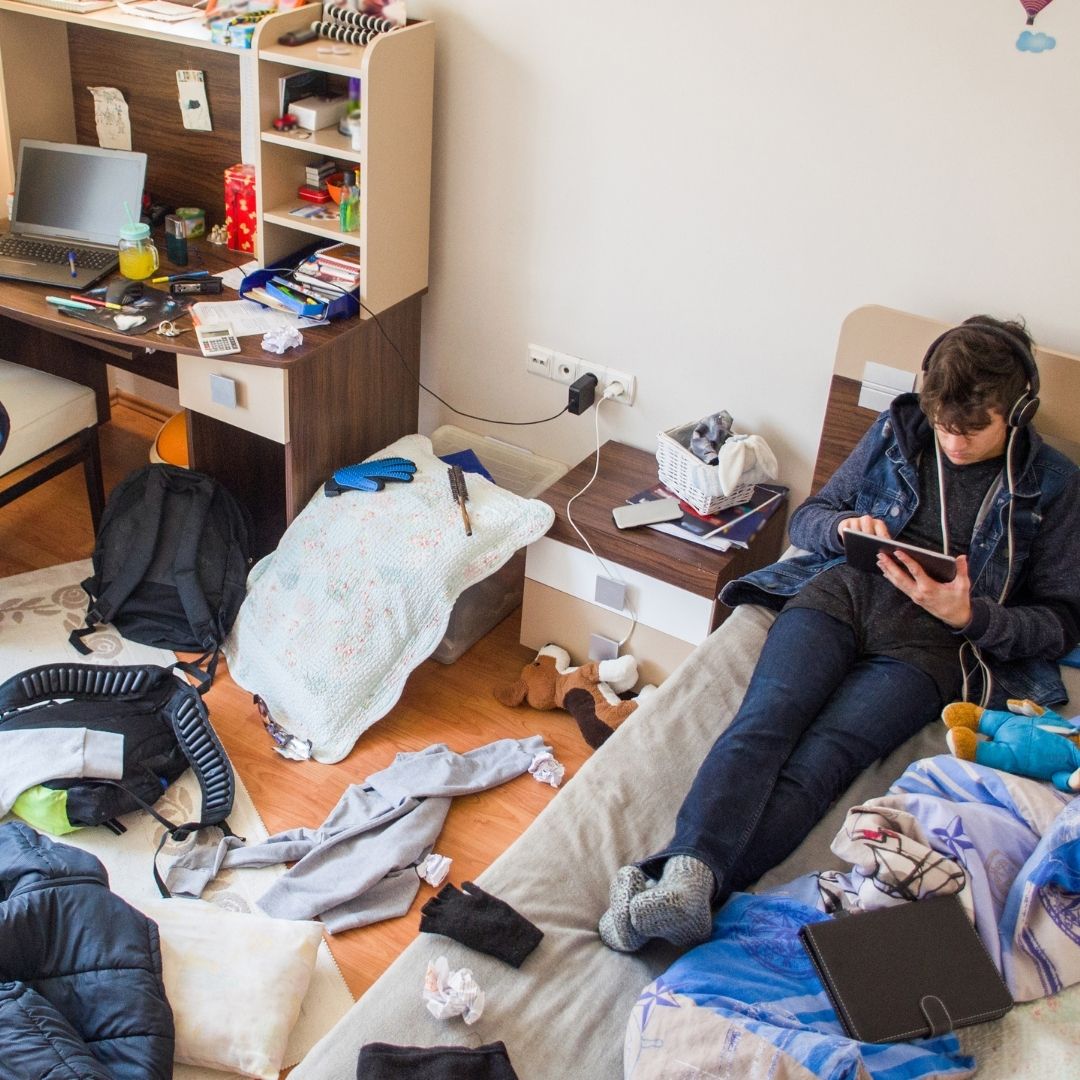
(756, 510)
(180, 277)
(59, 301)
(71, 263)
(98, 303)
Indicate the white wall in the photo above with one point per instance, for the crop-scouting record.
(700, 203)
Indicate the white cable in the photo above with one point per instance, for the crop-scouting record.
(630, 613)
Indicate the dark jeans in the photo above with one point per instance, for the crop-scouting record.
(815, 714)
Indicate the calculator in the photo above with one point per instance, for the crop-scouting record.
(217, 340)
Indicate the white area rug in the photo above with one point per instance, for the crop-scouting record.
(37, 612)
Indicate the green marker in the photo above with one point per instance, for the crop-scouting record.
(60, 301)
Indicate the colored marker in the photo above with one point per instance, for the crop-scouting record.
(180, 277)
(59, 301)
(71, 263)
(98, 303)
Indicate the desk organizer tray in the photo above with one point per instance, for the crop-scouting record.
(341, 307)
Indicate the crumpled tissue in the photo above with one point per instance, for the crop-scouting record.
(547, 770)
(452, 993)
(434, 869)
(281, 338)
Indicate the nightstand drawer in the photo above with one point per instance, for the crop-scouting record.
(666, 608)
(245, 395)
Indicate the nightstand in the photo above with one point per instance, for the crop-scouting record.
(672, 584)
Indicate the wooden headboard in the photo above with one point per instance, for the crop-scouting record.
(899, 340)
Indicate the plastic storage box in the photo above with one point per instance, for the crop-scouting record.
(483, 606)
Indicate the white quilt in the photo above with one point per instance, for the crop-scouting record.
(359, 592)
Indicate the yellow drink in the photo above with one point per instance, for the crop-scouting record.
(138, 262)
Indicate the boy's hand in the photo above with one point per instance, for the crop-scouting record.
(949, 601)
(864, 524)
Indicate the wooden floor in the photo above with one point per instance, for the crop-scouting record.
(441, 704)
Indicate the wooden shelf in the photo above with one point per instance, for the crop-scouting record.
(327, 141)
(329, 229)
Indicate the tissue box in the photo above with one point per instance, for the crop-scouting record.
(315, 113)
(240, 207)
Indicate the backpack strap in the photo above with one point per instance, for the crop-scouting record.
(186, 566)
(83, 681)
(135, 565)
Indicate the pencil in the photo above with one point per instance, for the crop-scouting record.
(749, 513)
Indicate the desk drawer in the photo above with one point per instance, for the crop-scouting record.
(261, 394)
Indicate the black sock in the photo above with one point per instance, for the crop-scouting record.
(382, 1061)
(481, 921)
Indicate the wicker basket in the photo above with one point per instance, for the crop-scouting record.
(690, 478)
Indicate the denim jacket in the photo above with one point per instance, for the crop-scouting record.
(1039, 620)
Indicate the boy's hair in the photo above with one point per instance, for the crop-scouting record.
(971, 374)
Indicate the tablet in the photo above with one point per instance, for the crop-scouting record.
(862, 551)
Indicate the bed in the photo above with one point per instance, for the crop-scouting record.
(564, 1013)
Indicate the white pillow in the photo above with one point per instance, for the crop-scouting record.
(235, 983)
(360, 590)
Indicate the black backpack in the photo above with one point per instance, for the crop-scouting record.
(166, 730)
(170, 561)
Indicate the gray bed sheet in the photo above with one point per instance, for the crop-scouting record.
(563, 1014)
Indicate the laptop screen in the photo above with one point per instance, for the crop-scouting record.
(76, 192)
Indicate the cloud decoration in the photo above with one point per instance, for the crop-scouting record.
(1035, 43)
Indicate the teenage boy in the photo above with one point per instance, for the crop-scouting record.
(858, 662)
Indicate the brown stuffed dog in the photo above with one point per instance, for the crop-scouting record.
(549, 683)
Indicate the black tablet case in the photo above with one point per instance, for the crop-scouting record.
(862, 552)
(906, 972)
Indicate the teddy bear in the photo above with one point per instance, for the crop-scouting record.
(1028, 740)
(589, 693)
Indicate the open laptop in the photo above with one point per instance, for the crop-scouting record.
(69, 199)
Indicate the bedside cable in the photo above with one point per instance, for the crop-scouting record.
(609, 391)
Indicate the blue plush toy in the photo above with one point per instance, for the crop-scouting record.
(1027, 740)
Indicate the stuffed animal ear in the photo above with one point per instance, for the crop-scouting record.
(512, 695)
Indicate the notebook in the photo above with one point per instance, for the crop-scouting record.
(69, 199)
(906, 972)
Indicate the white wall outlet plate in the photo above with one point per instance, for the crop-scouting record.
(539, 361)
(627, 382)
(564, 368)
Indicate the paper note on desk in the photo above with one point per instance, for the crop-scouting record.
(246, 317)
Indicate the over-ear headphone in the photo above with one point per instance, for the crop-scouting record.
(1027, 404)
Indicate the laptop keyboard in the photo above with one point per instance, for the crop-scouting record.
(42, 251)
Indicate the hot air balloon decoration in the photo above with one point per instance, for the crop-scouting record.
(1031, 40)
(1033, 7)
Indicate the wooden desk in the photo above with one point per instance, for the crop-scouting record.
(342, 395)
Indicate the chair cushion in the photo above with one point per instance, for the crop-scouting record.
(44, 410)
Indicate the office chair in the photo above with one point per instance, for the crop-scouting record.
(41, 413)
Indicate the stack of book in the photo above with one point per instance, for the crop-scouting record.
(734, 527)
(333, 271)
(317, 172)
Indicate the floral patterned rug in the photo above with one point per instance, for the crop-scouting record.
(37, 612)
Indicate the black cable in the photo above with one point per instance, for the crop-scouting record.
(416, 379)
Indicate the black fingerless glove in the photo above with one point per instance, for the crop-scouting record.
(481, 921)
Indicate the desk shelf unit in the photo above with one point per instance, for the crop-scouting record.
(40, 100)
(396, 73)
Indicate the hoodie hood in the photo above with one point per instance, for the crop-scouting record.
(28, 857)
(914, 433)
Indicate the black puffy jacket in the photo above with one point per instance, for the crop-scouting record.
(81, 996)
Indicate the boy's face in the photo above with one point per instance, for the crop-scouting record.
(976, 445)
